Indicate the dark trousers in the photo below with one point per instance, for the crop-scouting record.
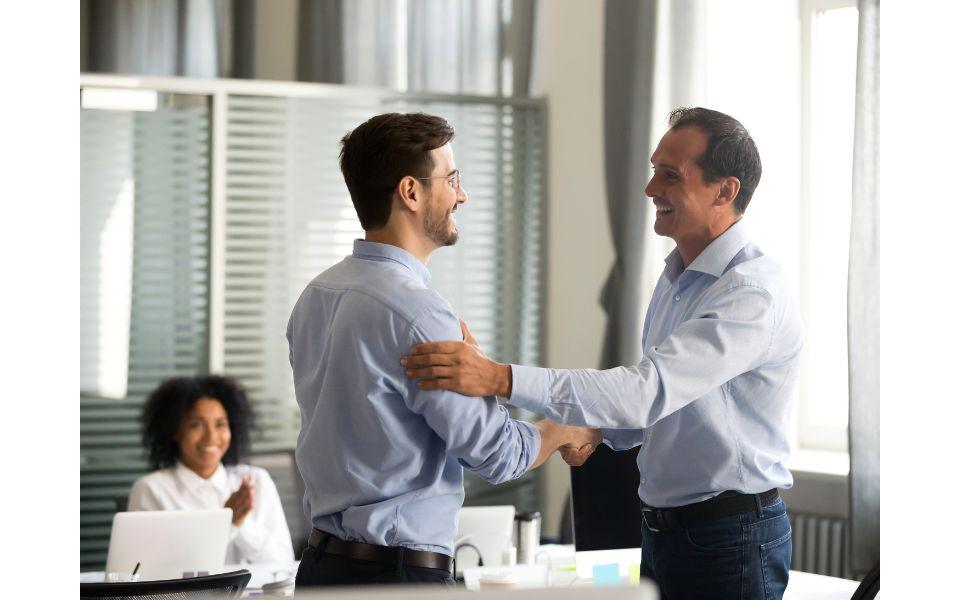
(742, 557)
(319, 568)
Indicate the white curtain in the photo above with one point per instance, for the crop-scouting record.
(193, 38)
(480, 47)
(863, 308)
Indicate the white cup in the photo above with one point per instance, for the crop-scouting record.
(499, 581)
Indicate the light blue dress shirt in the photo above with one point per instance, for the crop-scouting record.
(383, 460)
(710, 400)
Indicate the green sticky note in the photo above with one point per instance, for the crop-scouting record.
(634, 574)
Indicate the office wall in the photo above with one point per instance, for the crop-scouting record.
(569, 73)
(275, 39)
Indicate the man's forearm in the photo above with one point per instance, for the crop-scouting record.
(551, 438)
(504, 381)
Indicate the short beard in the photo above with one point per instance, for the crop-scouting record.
(439, 230)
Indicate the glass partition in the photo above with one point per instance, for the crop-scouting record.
(144, 283)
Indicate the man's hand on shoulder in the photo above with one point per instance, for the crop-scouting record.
(458, 366)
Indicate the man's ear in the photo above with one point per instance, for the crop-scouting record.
(729, 190)
(409, 191)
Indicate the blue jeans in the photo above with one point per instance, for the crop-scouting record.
(743, 557)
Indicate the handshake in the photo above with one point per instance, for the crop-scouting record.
(575, 444)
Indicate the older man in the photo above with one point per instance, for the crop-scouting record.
(383, 460)
(710, 400)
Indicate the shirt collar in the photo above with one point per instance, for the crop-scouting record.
(194, 481)
(385, 252)
(713, 260)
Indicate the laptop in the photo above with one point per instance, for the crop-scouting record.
(169, 544)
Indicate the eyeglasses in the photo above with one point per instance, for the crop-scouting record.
(452, 180)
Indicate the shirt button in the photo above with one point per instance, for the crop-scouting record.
(643, 480)
(677, 297)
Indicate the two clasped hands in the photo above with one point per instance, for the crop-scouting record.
(462, 367)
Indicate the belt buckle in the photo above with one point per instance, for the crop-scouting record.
(645, 511)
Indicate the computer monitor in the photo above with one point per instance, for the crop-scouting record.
(606, 510)
(169, 543)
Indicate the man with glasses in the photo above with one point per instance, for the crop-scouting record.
(383, 460)
(709, 401)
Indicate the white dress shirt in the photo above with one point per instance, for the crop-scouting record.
(263, 536)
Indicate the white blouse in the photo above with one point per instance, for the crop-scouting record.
(263, 536)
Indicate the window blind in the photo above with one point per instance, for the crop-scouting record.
(144, 270)
(289, 217)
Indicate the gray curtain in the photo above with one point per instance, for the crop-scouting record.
(628, 71)
(454, 46)
(863, 310)
(320, 41)
(194, 38)
(519, 46)
(653, 62)
(430, 46)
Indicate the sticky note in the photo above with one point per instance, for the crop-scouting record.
(606, 575)
(634, 574)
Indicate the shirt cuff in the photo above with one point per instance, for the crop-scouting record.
(530, 388)
(531, 436)
(622, 439)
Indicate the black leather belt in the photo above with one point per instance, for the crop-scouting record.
(727, 504)
(388, 555)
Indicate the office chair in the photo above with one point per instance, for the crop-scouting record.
(222, 585)
(282, 467)
(870, 586)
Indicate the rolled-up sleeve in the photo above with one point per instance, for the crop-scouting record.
(477, 431)
(731, 335)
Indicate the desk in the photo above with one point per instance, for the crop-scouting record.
(807, 586)
(802, 586)
(260, 573)
(561, 558)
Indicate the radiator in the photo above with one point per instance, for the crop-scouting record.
(819, 544)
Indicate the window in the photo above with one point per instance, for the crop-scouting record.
(829, 35)
(801, 114)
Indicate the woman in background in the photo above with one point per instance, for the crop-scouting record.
(195, 431)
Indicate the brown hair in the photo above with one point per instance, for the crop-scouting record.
(380, 152)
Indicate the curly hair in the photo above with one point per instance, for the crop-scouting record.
(167, 405)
